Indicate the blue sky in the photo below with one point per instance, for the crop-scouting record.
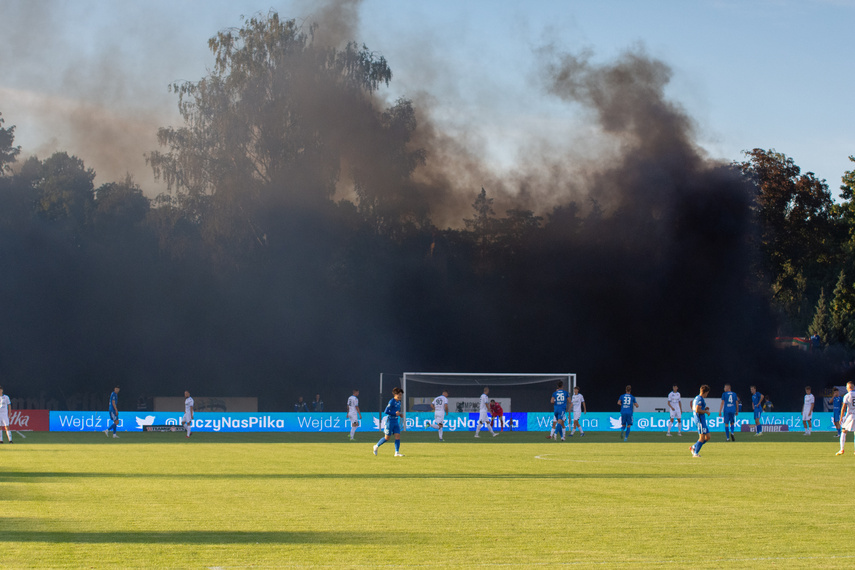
(91, 77)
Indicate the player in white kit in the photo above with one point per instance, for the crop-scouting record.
(675, 408)
(440, 408)
(187, 420)
(847, 415)
(578, 402)
(807, 410)
(5, 406)
(353, 413)
(484, 418)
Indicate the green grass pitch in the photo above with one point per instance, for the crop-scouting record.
(158, 500)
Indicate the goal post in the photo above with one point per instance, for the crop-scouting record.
(492, 380)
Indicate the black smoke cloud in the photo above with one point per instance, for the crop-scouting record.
(641, 272)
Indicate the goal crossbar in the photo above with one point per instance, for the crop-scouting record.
(486, 379)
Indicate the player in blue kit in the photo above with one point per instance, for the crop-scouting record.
(836, 407)
(559, 409)
(729, 403)
(393, 427)
(113, 408)
(626, 403)
(757, 406)
(701, 411)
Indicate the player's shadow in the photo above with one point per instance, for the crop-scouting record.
(31, 476)
(188, 537)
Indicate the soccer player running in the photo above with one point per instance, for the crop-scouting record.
(5, 406)
(836, 407)
(675, 407)
(626, 403)
(353, 413)
(807, 410)
(187, 420)
(757, 405)
(393, 412)
(113, 408)
(701, 411)
(579, 407)
(847, 415)
(440, 408)
(484, 418)
(729, 403)
(559, 409)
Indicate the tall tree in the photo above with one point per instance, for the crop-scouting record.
(269, 127)
(8, 152)
(797, 231)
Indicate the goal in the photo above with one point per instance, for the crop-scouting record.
(502, 386)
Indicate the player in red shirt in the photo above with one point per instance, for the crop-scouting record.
(497, 412)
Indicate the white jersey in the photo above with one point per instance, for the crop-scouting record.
(439, 404)
(352, 405)
(848, 422)
(188, 407)
(674, 400)
(485, 400)
(5, 402)
(577, 400)
(809, 401)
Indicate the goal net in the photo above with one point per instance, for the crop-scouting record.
(515, 392)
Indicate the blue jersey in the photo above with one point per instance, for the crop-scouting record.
(391, 411)
(729, 399)
(560, 397)
(837, 405)
(699, 401)
(114, 402)
(755, 400)
(626, 403)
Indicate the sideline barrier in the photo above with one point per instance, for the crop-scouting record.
(416, 421)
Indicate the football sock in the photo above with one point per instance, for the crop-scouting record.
(627, 431)
(726, 431)
(759, 428)
(188, 427)
(478, 428)
(842, 441)
(352, 431)
(440, 432)
(552, 432)
(490, 427)
(560, 431)
(381, 442)
(397, 446)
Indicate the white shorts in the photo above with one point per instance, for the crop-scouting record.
(848, 422)
(484, 418)
(354, 418)
(577, 415)
(676, 414)
(187, 418)
(438, 418)
(4, 421)
(806, 417)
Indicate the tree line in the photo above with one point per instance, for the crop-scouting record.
(252, 275)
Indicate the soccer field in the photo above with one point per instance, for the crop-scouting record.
(518, 500)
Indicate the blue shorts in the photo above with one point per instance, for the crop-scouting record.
(560, 415)
(729, 417)
(835, 417)
(702, 426)
(757, 414)
(392, 428)
(625, 420)
(114, 416)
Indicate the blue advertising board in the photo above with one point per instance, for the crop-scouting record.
(416, 421)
